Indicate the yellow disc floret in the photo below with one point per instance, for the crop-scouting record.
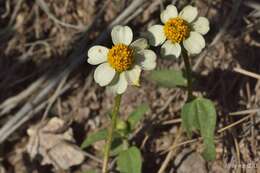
(176, 30)
(120, 57)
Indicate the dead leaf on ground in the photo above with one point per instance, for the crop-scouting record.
(54, 142)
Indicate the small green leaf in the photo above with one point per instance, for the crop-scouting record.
(207, 120)
(189, 118)
(94, 137)
(168, 78)
(200, 114)
(137, 115)
(98, 136)
(130, 161)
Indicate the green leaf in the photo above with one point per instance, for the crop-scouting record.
(168, 78)
(137, 115)
(200, 114)
(98, 136)
(189, 118)
(94, 137)
(207, 120)
(130, 161)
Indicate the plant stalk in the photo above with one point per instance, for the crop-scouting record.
(110, 133)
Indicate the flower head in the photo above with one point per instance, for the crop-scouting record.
(184, 29)
(121, 57)
(121, 65)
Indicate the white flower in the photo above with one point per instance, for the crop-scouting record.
(121, 65)
(183, 29)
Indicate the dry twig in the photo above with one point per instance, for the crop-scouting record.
(247, 73)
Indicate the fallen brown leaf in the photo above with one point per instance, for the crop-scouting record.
(54, 142)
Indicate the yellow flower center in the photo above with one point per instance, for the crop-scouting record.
(120, 57)
(176, 30)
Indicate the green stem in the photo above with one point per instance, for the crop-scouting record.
(110, 133)
(125, 144)
(188, 73)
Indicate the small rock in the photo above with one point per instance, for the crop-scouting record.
(193, 162)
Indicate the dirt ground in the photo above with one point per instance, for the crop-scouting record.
(44, 74)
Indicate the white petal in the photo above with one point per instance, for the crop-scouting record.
(97, 55)
(170, 50)
(122, 34)
(120, 85)
(170, 12)
(140, 44)
(194, 43)
(189, 13)
(156, 35)
(104, 74)
(133, 75)
(146, 59)
(201, 25)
